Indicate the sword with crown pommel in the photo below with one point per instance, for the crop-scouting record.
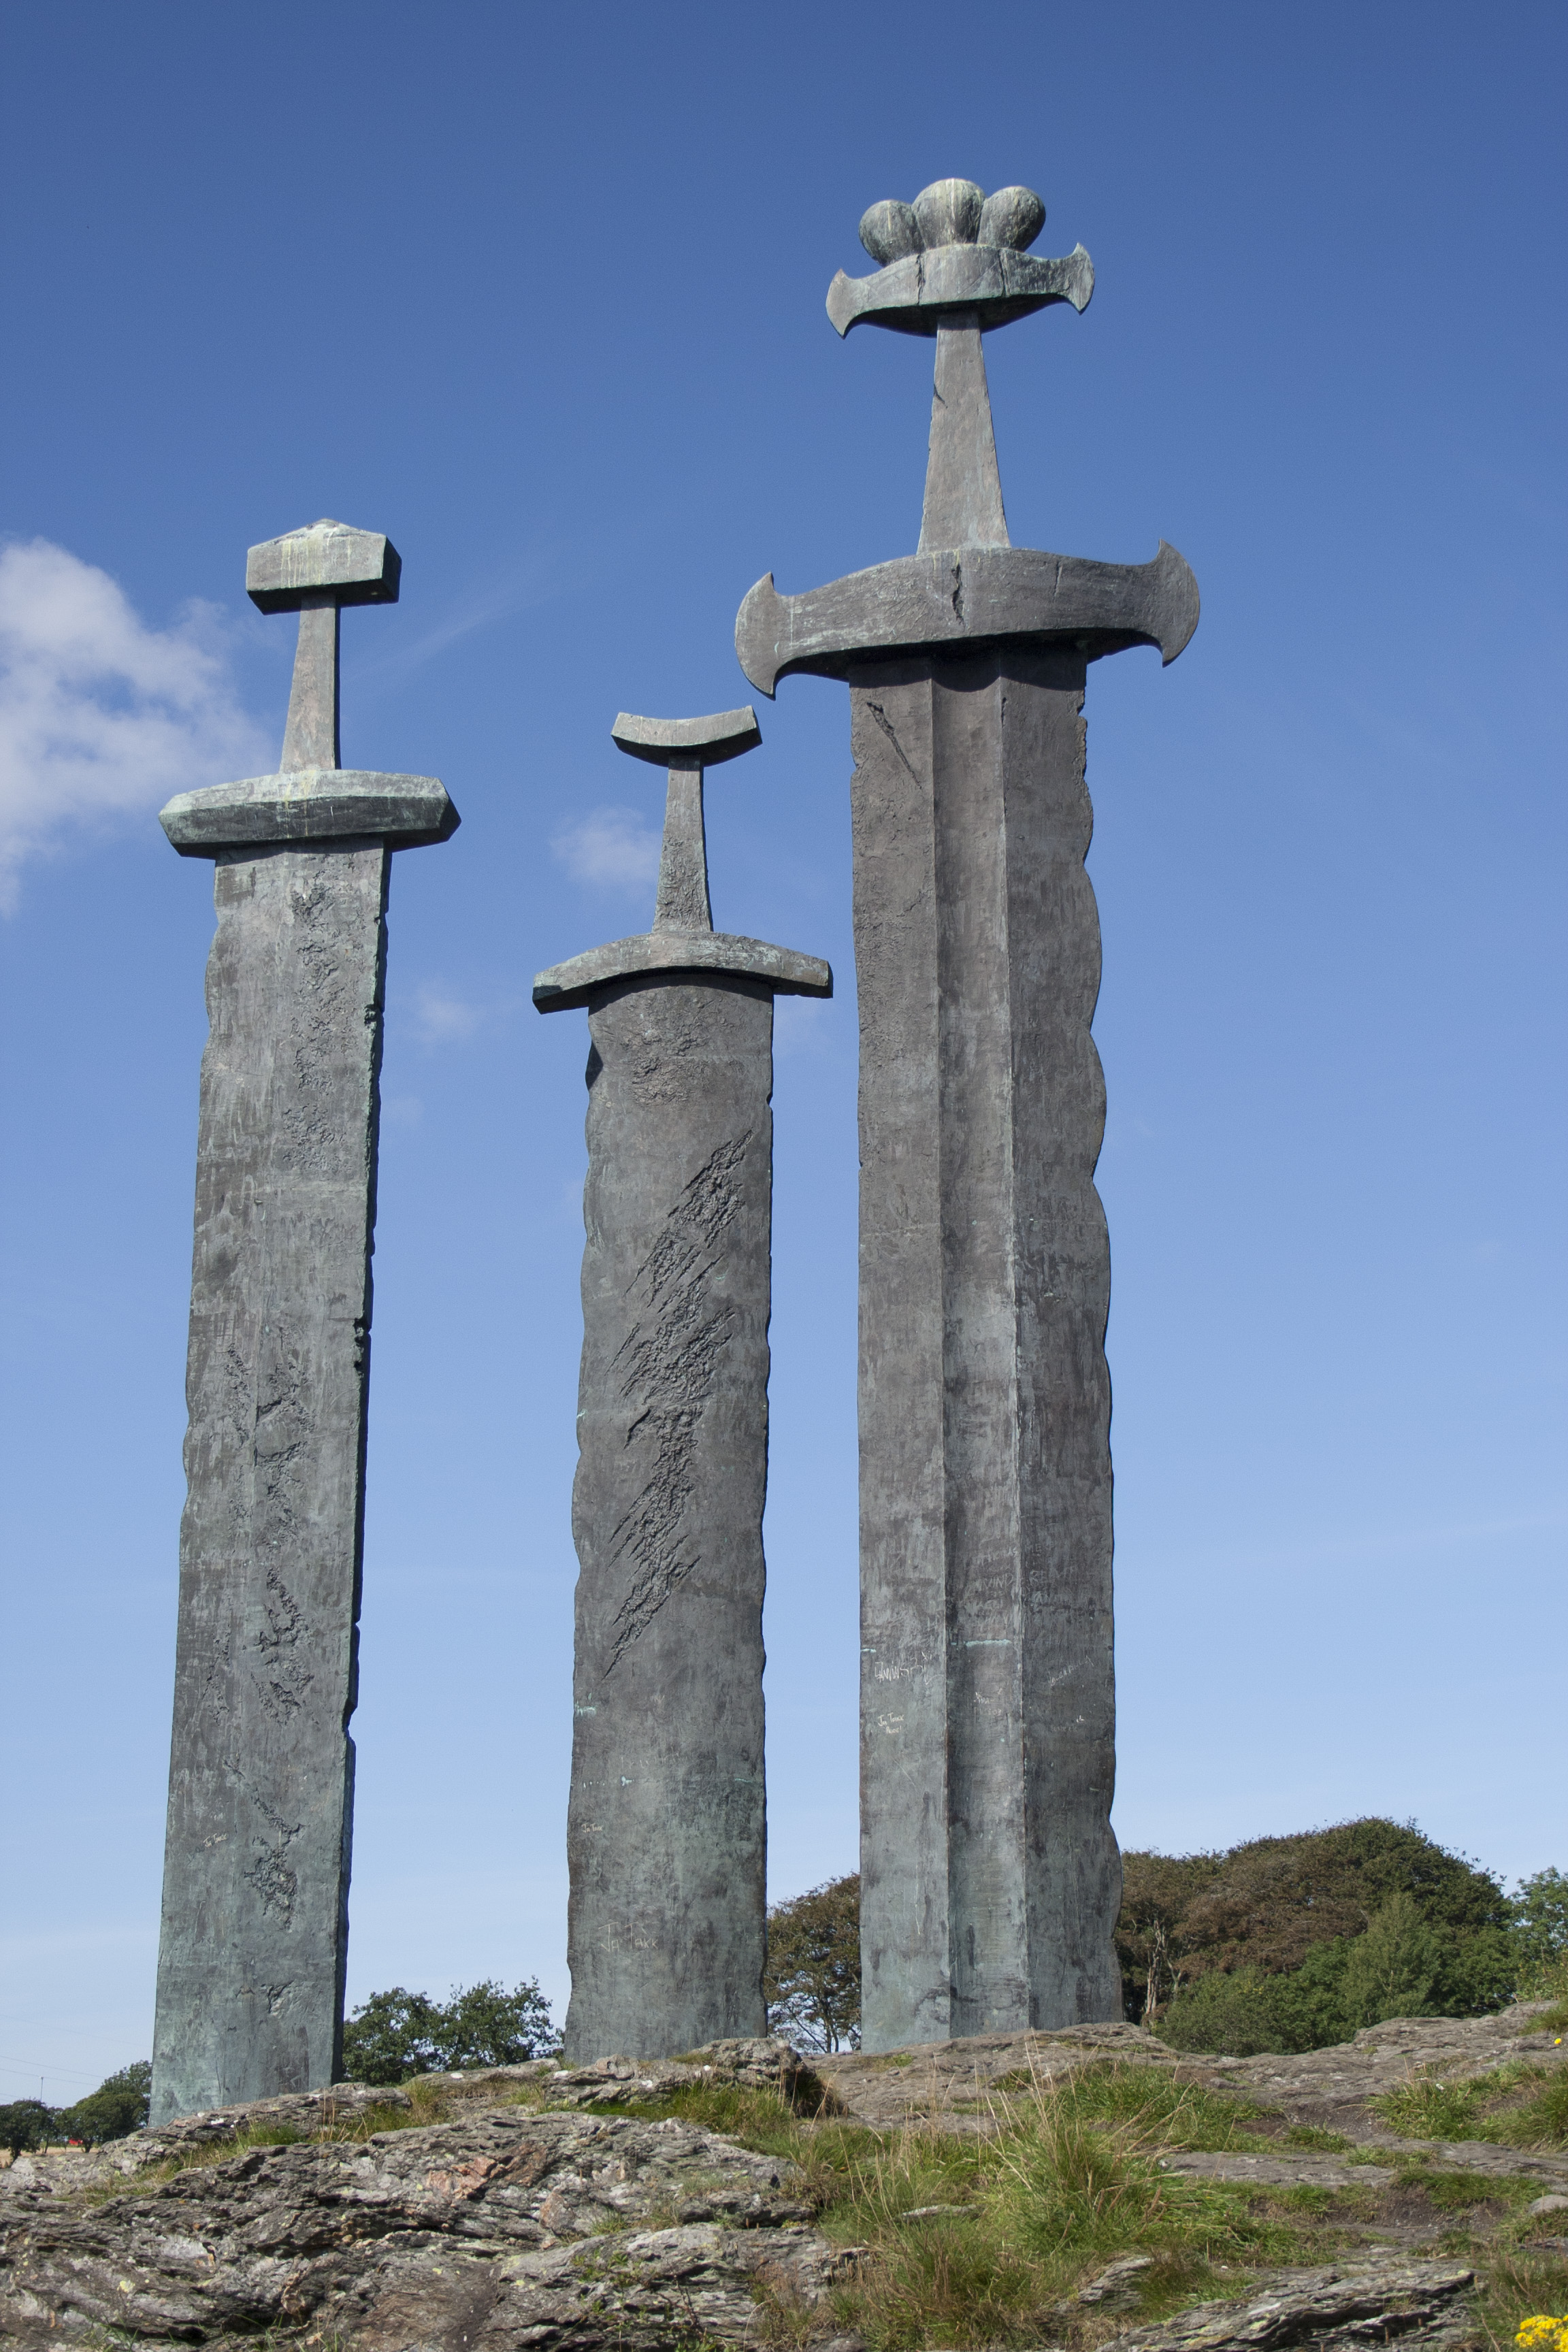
(990, 1879)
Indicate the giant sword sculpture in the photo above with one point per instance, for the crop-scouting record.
(256, 1868)
(989, 1876)
(666, 1830)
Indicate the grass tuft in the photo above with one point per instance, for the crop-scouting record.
(1514, 2284)
(1541, 2121)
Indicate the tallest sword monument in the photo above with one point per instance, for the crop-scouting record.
(990, 1879)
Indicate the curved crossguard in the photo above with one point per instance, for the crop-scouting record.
(963, 598)
(955, 266)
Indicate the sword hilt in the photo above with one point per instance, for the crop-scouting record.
(315, 573)
(954, 264)
(686, 746)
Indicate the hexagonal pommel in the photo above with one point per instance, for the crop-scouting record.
(353, 567)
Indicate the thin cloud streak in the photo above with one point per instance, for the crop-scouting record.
(611, 848)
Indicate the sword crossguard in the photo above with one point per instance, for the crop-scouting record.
(956, 248)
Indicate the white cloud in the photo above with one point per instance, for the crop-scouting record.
(440, 1015)
(616, 848)
(800, 1027)
(100, 716)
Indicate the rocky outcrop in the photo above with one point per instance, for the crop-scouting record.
(961, 2084)
(1336, 2304)
(950, 2081)
(1332, 2086)
(537, 2209)
(507, 2226)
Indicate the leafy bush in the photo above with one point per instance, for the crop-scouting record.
(27, 2124)
(1265, 1906)
(398, 2034)
(1539, 1911)
(117, 2107)
(1239, 2013)
(1345, 1926)
(120, 2105)
(811, 1982)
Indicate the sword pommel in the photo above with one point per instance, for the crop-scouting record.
(687, 743)
(352, 567)
(955, 248)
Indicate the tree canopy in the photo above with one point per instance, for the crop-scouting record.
(398, 2034)
(811, 1982)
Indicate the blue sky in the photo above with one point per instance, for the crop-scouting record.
(540, 293)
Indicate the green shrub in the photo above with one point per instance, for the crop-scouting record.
(1539, 1910)
(119, 2107)
(1236, 2013)
(398, 2034)
(27, 2123)
(1273, 1906)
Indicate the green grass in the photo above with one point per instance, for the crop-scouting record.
(1310, 2137)
(1425, 2108)
(1515, 2284)
(1148, 2098)
(1542, 2120)
(1456, 2191)
(1068, 2179)
(1488, 2108)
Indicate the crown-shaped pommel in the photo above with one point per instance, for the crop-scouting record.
(956, 248)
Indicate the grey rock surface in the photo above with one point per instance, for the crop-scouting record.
(666, 1819)
(535, 2228)
(1332, 2086)
(990, 1880)
(255, 1916)
(963, 2082)
(1357, 2302)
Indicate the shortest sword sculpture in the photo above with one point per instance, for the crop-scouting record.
(667, 1824)
(989, 1876)
(256, 1870)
